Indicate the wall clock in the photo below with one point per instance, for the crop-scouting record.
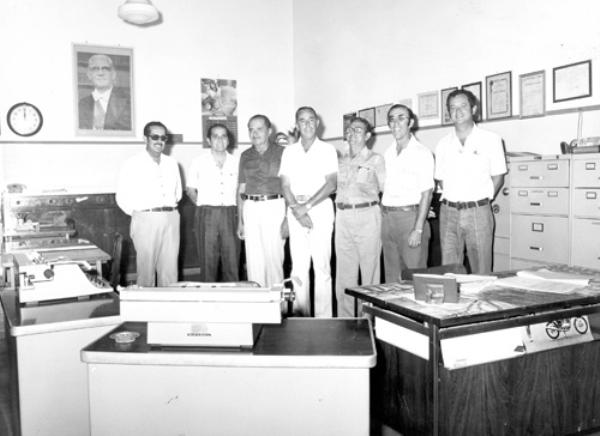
(24, 119)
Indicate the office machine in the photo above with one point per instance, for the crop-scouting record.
(204, 314)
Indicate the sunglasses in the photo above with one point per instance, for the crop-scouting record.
(158, 137)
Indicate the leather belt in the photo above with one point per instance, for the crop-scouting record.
(407, 208)
(261, 197)
(343, 206)
(160, 209)
(466, 204)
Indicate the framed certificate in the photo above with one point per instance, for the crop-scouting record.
(498, 96)
(369, 115)
(381, 114)
(445, 113)
(429, 106)
(475, 89)
(532, 94)
(572, 81)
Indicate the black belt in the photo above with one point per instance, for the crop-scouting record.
(160, 209)
(343, 206)
(466, 204)
(406, 208)
(261, 197)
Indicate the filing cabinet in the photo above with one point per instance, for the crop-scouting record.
(501, 209)
(585, 209)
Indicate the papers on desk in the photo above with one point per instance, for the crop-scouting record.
(544, 280)
(563, 277)
(471, 284)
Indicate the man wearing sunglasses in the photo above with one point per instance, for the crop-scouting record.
(149, 189)
(107, 107)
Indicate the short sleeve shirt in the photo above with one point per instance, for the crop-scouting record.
(466, 170)
(216, 186)
(360, 178)
(260, 172)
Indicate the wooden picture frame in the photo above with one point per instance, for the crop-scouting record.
(446, 120)
(381, 114)
(97, 69)
(532, 94)
(429, 105)
(572, 81)
(498, 96)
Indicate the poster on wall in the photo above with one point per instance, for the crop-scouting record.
(103, 90)
(219, 106)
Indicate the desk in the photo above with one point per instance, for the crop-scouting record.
(79, 251)
(303, 377)
(44, 342)
(554, 392)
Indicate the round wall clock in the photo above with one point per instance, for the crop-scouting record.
(24, 119)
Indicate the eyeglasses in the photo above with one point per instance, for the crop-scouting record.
(357, 130)
(103, 69)
(399, 118)
(158, 137)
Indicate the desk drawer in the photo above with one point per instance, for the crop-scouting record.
(586, 202)
(540, 238)
(540, 173)
(552, 201)
(586, 173)
(585, 245)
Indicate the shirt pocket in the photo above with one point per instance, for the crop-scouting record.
(364, 174)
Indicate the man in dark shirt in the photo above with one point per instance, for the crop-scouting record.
(261, 208)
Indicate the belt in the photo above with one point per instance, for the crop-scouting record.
(261, 197)
(406, 208)
(343, 206)
(466, 204)
(160, 209)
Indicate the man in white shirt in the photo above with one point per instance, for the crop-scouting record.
(212, 185)
(149, 189)
(309, 176)
(406, 196)
(470, 168)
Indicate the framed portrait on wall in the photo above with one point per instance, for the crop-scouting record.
(445, 113)
(103, 90)
(532, 94)
(498, 96)
(219, 105)
(429, 107)
(572, 81)
(369, 115)
(475, 89)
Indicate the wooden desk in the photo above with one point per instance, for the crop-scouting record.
(554, 392)
(303, 377)
(44, 342)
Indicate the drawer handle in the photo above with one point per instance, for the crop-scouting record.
(536, 177)
(590, 165)
(537, 227)
(523, 167)
(505, 191)
(535, 203)
(536, 248)
(552, 194)
(552, 166)
(522, 193)
(590, 195)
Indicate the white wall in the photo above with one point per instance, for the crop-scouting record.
(246, 40)
(354, 54)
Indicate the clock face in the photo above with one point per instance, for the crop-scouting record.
(24, 119)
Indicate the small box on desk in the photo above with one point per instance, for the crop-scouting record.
(435, 288)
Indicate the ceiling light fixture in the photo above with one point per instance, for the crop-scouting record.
(138, 12)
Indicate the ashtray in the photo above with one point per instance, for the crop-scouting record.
(124, 337)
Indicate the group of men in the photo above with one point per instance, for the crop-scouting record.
(270, 191)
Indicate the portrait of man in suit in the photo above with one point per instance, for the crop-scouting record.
(104, 94)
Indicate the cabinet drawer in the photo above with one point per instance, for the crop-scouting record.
(586, 173)
(540, 173)
(552, 201)
(540, 238)
(585, 245)
(586, 202)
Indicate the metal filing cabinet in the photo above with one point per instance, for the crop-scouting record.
(539, 210)
(585, 209)
(501, 209)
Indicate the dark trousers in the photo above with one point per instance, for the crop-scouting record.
(216, 239)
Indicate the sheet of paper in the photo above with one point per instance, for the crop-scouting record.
(536, 284)
(546, 274)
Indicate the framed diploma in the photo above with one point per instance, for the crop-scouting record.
(445, 113)
(369, 115)
(498, 95)
(381, 114)
(532, 94)
(346, 123)
(429, 106)
(572, 81)
(475, 89)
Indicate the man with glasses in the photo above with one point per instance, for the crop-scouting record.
(107, 107)
(470, 168)
(309, 176)
(212, 185)
(149, 189)
(406, 196)
(261, 208)
(361, 174)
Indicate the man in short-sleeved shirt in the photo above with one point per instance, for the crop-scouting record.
(361, 173)
(406, 197)
(309, 176)
(261, 208)
(212, 185)
(470, 168)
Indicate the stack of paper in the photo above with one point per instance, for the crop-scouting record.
(471, 284)
(563, 277)
(532, 283)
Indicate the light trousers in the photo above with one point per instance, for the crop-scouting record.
(262, 236)
(315, 244)
(155, 237)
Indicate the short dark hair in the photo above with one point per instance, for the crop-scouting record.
(153, 124)
(368, 126)
(210, 129)
(261, 117)
(470, 96)
(306, 108)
